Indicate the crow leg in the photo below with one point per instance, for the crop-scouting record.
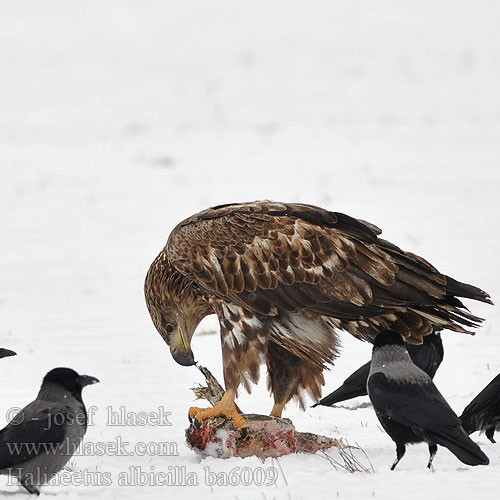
(400, 451)
(490, 433)
(31, 488)
(432, 453)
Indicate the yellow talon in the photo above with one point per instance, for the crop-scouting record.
(224, 408)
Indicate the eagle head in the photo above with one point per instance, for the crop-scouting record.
(175, 308)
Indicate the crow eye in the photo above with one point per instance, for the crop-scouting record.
(170, 328)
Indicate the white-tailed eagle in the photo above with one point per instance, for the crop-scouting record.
(282, 279)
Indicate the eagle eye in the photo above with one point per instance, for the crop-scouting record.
(170, 328)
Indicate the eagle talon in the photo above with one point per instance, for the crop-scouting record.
(225, 408)
(243, 435)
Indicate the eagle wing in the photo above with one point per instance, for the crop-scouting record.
(272, 258)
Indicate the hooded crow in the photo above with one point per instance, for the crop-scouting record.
(40, 439)
(5, 353)
(427, 356)
(483, 412)
(409, 406)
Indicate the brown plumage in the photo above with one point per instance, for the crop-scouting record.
(282, 279)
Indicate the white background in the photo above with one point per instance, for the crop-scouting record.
(119, 119)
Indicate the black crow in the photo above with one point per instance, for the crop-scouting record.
(409, 406)
(427, 356)
(483, 412)
(4, 353)
(40, 439)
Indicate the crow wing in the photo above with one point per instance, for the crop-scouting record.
(32, 432)
(353, 387)
(485, 403)
(411, 404)
(421, 407)
(429, 355)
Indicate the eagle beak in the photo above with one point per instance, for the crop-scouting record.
(180, 348)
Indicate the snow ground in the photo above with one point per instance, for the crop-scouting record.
(119, 119)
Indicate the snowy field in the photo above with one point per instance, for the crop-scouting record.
(119, 119)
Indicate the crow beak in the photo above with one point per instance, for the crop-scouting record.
(87, 380)
(180, 348)
(4, 353)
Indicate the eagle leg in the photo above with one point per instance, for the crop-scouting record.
(224, 408)
(289, 375)
(277, 409)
